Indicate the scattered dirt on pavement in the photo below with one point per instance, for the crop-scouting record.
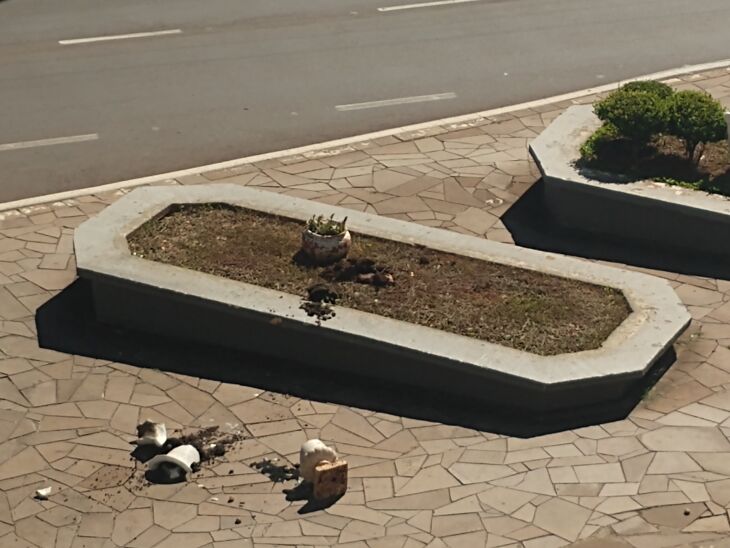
(210, 442)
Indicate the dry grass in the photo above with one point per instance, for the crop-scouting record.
(509, 306)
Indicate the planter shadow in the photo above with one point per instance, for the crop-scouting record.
(530, 224)
(67, 323)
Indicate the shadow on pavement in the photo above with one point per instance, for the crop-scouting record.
(66, 323)
(530, 226)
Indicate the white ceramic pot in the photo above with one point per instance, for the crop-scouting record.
(183, 456)
(326, 249)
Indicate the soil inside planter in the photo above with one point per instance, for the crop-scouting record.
(664, 159)
(514, 307)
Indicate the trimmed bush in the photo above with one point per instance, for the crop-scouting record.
(591, 149)
(636, 115)
(658, 89)
(696, 118)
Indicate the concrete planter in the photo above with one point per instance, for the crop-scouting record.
(146, 296)
(669, 217)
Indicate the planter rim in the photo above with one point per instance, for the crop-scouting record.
(556, 151)
(657, 318)
(327, 236)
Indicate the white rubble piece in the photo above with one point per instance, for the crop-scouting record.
(152, 433)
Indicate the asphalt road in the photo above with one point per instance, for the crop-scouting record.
(241, 77)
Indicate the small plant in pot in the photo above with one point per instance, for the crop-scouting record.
(326, 240)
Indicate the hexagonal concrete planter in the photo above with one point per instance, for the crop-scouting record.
(647, 211)
(155, 298)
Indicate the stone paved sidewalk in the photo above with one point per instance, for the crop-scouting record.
(659, 478)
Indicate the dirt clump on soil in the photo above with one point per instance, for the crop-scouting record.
(510, 306)
(664, 159)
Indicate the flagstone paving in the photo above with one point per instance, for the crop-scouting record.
(659, 478)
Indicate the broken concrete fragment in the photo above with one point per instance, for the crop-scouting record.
(330, 479)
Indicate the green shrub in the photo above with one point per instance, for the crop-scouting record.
(636, 115)
(696, 118)
(658, 89)
(591, 149)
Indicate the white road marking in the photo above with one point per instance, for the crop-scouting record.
(118, 37)
(398, 101)
(426, 5)
(49, 142)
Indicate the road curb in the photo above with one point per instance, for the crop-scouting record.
(130, 183)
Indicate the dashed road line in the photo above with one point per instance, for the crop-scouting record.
(398, 101)
(89, 40)
(426, 5)
(49, 142)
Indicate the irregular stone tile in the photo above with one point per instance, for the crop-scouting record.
(403, 204)
(714, 524)
(455, 193)
(697, 296)
(170, 515)
(96, 525)
(150, 538)
(10, 307)
(443, 526)
(618, 446)
(359, 530)
(536, 481)
(719, 491)
(27, 461)
(561, 518)
(185, 540)
(196, 401)
(672, 463)
(59, 516)
(428, 479)
(259, 410)
(680, 438)
(51, 280)
(476, 473)
(9, 392)
(429, 500)
(475, 220)
(24, 347)
(695, 491)
(675, 516)
(504, 499)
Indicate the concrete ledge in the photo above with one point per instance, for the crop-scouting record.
(654, 213)
(170, 301)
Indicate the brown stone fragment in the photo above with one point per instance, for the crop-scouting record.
(330, 479)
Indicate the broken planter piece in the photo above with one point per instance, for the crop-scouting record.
(176, 463)
(44, 493)
(151, 433)
(577, 388)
